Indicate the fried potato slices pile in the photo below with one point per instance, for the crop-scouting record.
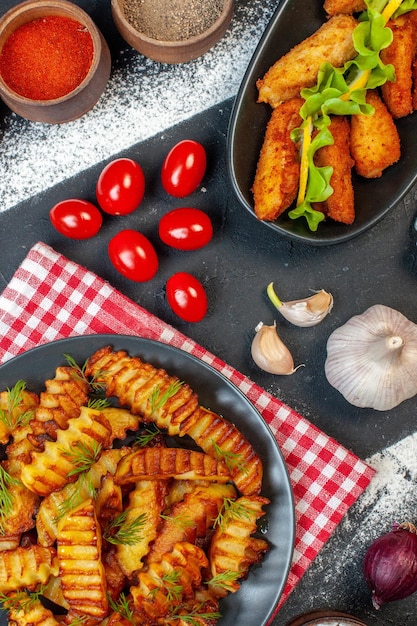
(112, 533)
(364, 144)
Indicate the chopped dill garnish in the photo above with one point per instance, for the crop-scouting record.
(23, 600)
(169, 584)
(98, 403)
(159, 399)
(232, 460)
(122, 606)
(79, 372)
(194, 617)
(145, 437)
(231, 509)
(180, 521)
(224, 579)
(129, 531)
(6, 498)
(82, 489)
(80, 619)
(82, 456)
(14, 401)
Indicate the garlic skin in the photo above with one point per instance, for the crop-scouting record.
(304, 312)
(372, 359)
(270, 353)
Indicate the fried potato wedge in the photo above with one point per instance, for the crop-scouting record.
(190, 519)
(146, 390)
(55, 466)
(398, 95)
(25, 568)
(146, 503)
(232, 547)
(13, 406)
(278, 170)
(166, 463)
(34, 615)
(61, 401)
(374, 139)
(56, 504)
(164, 585)
(340, 206)
(221, 439)
(298, 69)
(81, 570)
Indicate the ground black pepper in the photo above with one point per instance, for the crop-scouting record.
(172, 20)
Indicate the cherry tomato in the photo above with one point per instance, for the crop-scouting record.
(77, 219)
(186, 297)
(120, 187)
(133, 255)
(186, 229)
(183, 168)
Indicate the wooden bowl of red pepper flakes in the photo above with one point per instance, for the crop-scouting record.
(54, 61)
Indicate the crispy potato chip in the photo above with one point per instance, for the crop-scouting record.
(81, 570)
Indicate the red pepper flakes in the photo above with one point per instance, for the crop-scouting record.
(46, 58)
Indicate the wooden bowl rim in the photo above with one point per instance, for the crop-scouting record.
(53, 7)
(117, 5)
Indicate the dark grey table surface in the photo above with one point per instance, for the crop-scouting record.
(380, 266)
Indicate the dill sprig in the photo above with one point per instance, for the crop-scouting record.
(146, 436)
(79, 372)
(169, 584)
(122, 606)
(194, 617)
(82, 489)
(159, 398)
(231, 509)
(82, 456)
(232, 460)
(14, 401)
(6, 498)
(98, 403)
(21, 601)
(179, 521)
(224, 580)
(128, 533)
(80, 619)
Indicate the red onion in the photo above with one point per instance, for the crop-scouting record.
(390, 565)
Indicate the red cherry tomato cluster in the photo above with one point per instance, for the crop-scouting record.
(120, 190)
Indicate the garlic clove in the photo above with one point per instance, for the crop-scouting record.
(269, 352)
(372, 359)
(304, 312)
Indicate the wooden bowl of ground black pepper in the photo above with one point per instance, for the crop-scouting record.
(172, 31)
(54, 61)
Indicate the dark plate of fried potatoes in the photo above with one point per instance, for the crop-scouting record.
(295, 21)
(110, 432)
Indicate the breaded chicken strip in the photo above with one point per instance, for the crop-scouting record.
(340, 206)
(398, 95)
(347, 7)
(297, 69)
(374, 139)
(278, 171)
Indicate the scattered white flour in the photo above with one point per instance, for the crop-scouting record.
(391, 497)
(140, 101)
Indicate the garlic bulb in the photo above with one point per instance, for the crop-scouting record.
(372, 359)
(305, 312)
(270, 353)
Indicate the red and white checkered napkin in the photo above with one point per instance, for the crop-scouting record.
(50, 298)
